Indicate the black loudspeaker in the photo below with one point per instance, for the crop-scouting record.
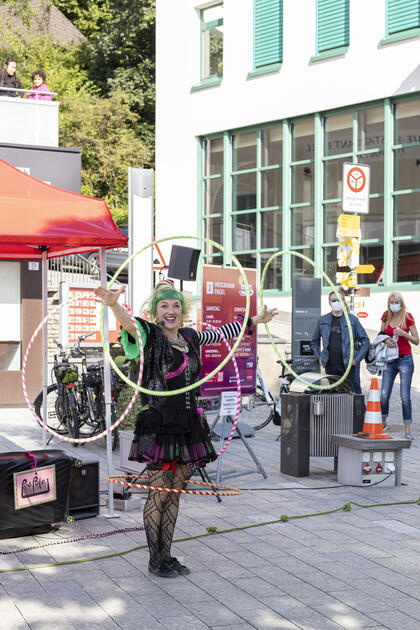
(295, 412)
(358, 412)
(24, 512)
(84, 490)
(183, 263)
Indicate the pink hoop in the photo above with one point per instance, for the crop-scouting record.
(25, 391)
(238, 386)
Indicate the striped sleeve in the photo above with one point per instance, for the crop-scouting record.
(212, 336)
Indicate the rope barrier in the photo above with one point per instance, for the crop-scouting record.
(211, 531)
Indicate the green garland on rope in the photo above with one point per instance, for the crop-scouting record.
(210, 531)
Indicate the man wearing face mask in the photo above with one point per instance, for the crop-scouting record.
(333, 330)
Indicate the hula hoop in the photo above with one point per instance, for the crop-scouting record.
(283, 362)
(238, 389)
(231, 491)
(25, 392)
(182, 390)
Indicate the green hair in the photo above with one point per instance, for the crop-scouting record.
(164, 291)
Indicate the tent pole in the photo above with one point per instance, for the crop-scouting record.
(107, 383)
(44, 343)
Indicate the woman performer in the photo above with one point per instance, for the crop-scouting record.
(170, 435)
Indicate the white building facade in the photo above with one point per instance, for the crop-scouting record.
(259, 104)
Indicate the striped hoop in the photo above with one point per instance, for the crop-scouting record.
(25, 391)
(231, 491)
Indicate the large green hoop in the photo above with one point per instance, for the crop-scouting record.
(182, 390)
(283, 362)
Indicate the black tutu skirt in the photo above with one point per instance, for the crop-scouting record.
(172, 434)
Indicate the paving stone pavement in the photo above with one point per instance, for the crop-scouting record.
(355, 569)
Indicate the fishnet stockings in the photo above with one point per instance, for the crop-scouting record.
(161, 511)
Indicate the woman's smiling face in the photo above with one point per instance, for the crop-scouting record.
(169, 312)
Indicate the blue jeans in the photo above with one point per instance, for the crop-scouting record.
(404, 366)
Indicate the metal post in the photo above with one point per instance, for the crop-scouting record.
(44, 344)
(107, 390)
(140, 230)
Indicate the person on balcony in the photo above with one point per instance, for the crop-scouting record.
(40, 91)
(8, 79)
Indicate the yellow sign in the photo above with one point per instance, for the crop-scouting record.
(365, 269)
(345, 231)
(350, 221)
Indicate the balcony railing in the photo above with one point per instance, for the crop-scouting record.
(28, 121)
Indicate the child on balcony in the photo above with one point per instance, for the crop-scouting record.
(38, 79)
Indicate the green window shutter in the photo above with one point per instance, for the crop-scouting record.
(268, 32)
(402, 15)
(333, 24)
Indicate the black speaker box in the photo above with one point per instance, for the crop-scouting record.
(36, 518)
(183, 263)
(84, 490)
(295, 412)
(359, 408)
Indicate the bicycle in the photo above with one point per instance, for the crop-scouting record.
(264, 397)
(62, 409)
(76, 403)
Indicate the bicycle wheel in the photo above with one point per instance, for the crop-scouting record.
(72, 414)
(56, 419)
(258, 412)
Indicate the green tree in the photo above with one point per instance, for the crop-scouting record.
(104, 131)
(120, 52)
(89, 16)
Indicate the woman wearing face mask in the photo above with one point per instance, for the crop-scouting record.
(402, 331)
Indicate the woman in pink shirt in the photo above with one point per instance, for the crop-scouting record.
(38, 79)
(399, 325)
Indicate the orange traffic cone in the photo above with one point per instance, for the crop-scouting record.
(373, 418)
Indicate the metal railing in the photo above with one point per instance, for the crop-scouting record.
(23, 92)
(74, 269)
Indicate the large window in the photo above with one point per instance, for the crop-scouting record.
(406, 195)
(268, 33)
(279, 186)
(213, 196)
(302, 195)
(212, 42)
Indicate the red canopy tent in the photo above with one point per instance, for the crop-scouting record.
(40, 221)
(35, 215)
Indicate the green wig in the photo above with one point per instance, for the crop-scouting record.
(165, 291)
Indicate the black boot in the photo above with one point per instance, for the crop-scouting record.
(163, 570)
(173, 563)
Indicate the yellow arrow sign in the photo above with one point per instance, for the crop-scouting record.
(348, 231)
(350, 221)
(365, 269)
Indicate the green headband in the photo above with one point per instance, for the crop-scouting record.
(167, 294)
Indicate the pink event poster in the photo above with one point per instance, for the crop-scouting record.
(33, 487)
(224, 298)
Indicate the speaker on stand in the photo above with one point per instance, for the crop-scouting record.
(183, 263)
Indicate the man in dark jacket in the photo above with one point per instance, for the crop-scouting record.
(332, 328)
